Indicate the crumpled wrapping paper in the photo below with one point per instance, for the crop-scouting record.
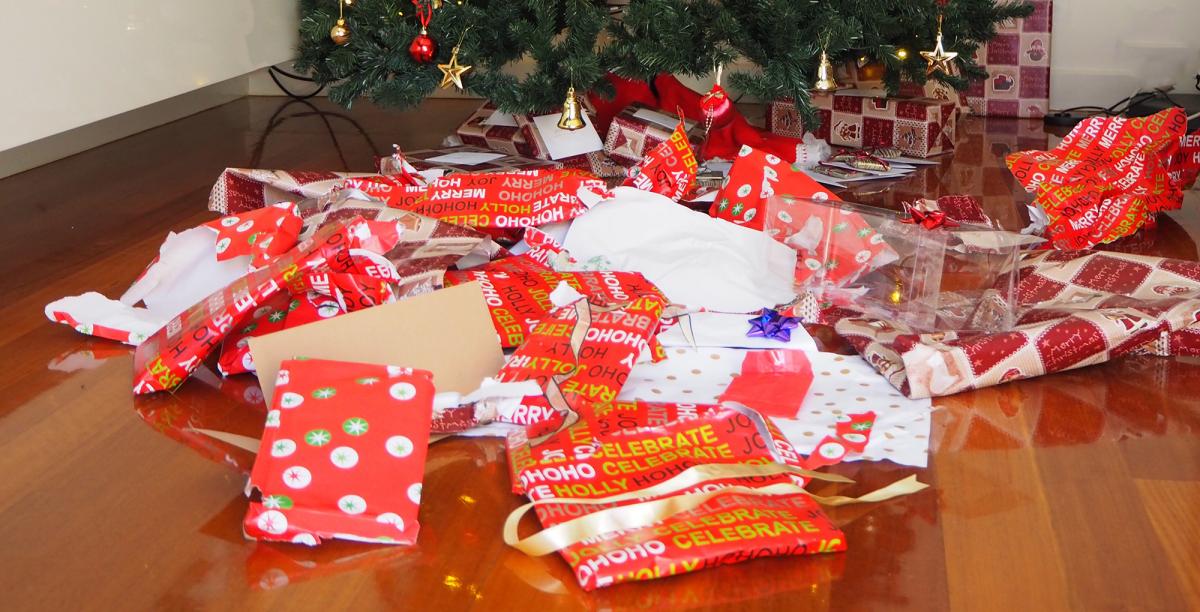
(1109, 176)
(1080, 309)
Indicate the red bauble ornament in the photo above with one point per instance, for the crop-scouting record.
(423, 48)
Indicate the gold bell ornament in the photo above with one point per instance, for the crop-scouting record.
(572, 114)
(825, 80)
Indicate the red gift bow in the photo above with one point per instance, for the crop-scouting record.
(928, 219)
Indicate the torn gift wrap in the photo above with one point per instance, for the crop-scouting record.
(1110, 176)
(756, 176)
(687, 495)
(694, 259)
(519, 291)
(1078, 309)
(669, 169)
(500, 203)
(342, 455)
(262, 234)
(579, 355)
(164, 360)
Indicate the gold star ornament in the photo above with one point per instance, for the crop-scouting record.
(453, 71)
(939, 58)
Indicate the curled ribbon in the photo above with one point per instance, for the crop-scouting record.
(645, 513)
(928, 219)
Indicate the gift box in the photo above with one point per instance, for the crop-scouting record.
(427, 159)
(490, 129)
(919, 127)
(1018, 65)
(518, 135)
(923, 270)
(638, 129)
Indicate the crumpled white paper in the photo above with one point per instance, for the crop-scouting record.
(694, 259)
(185, 272)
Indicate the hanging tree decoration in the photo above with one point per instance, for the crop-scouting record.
(939, 58)
(572, 113)
(452, 72)
(339, 33)
(423, 48)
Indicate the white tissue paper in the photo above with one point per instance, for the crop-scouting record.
(694, 259)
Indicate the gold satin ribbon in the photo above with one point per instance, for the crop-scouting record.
(635, 516)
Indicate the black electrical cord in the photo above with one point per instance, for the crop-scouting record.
(275, 72)
(276, 120)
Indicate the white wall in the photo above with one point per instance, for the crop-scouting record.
(73, 62)
(1103, 50)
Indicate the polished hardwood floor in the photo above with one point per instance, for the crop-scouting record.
(1073, 491)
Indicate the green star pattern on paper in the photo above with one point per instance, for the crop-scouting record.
(252, 238)
(832, 264)
(737, 209)
(249, 328)
(341, 456)
(841, 227)
(864, 232)
(279, 502)
(318, 437)
(293, 305)
(324, 393)
(367, 380)
(277, 316)
(723, 205)
(349, 505)
(355, 426)
(861, 426)
(281, 446)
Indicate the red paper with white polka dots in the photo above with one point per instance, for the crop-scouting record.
(755, 176)
(264, 234)
(834, 244)
(343, 454)
(270, 317)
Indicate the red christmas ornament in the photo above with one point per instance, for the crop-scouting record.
(423, 48)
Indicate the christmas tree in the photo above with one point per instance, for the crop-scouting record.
(382, 55)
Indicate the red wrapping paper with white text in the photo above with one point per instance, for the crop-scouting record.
(669, 169)
(1109, 176)
(164, 360)
(725, 529)
(343, 454)
(502, 203)
(580, 355)
(517, 291)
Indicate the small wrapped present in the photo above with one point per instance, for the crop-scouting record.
(638, 129)
(342, 455)
(452, 159)
(490, 129)
(1018, 65)
(920, 127)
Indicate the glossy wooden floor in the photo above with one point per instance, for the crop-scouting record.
(1074, 491)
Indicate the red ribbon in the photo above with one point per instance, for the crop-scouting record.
(424, 13)
(928, 219)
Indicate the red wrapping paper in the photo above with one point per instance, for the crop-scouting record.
(270, 317)
(264, 234)
(772, 382)
(342, 455)
(500, 202)
(517, 291)
(834, 244)
(164, 360)
(756, 176)
(669, 169)
(1109, 176)
(728, 528)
